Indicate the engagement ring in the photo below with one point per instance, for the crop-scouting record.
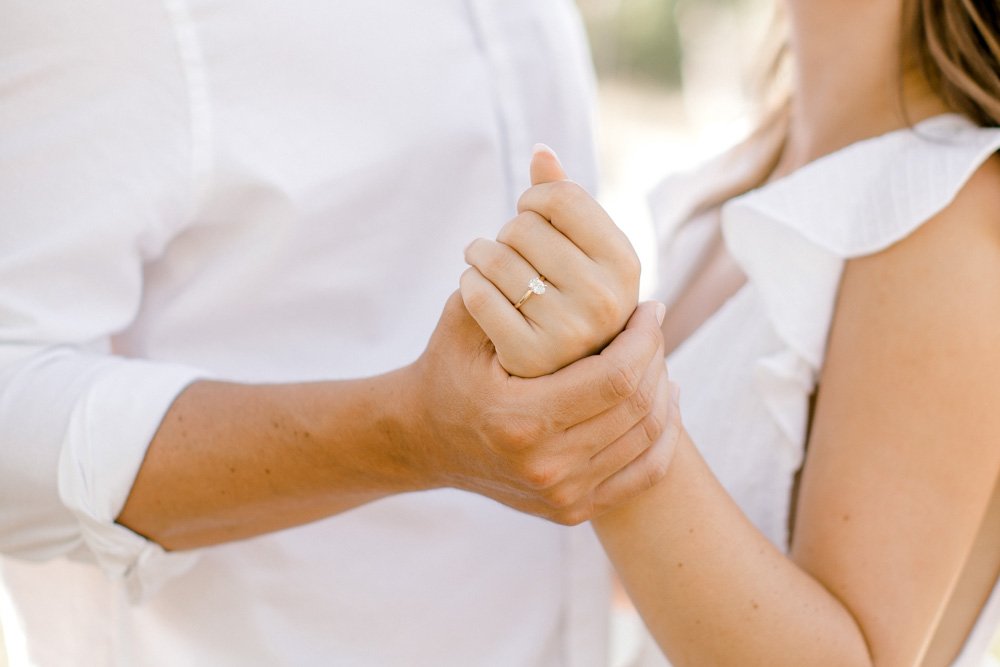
(535, 286)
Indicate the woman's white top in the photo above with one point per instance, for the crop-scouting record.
(265, 192)
(748, 372)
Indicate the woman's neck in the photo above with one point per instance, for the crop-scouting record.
(848, 83)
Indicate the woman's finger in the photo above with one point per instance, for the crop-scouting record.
(580, 219)
(545, 248)
(491, 309)
(545, 165)
(512, 275)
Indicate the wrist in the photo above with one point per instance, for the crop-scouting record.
(403, 420)
(368, 433)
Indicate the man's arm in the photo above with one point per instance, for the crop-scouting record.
(231, 461)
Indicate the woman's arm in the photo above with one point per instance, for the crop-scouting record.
(902, 462)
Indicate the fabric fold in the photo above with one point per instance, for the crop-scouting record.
(792, 236)
(109, 431)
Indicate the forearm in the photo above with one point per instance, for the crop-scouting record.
(711, 588)
(231, 461)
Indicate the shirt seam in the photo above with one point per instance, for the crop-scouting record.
(191, 60)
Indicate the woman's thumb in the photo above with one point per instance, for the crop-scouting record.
(545, 166)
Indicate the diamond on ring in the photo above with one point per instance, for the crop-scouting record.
(535, 286)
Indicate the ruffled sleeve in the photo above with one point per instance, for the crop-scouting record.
(792, 236)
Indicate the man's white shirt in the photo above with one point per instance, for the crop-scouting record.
(264, 192)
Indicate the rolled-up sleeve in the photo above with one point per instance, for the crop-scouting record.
(95, 179)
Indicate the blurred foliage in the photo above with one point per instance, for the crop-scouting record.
(639, 39)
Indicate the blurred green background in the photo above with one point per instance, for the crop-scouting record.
(640, 39)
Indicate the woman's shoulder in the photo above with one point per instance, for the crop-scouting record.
(793, 236)
(953, 255)
(968, 224)
(865, 197)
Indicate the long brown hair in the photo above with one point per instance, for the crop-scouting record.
(955, 44)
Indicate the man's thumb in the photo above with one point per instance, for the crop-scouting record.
(545, 166)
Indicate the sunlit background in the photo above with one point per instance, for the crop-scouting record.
(675, 80)
(675, 87)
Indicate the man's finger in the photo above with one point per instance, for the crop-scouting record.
(639, 423)
(642, 473)
(594, 384)
(604, 431)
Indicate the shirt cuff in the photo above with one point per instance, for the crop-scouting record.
(110, 429)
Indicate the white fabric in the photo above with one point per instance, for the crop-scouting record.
(758, 358)
(266, 192)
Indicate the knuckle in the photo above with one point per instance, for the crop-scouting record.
(522, 432)
(473, 294)
(576, 331)
(473, 250)
(656, 470)
(574, 516)
(527, 198)
(605, 305)
(571, 519)
(633, 266)
(543, 355)
(651, 338)
(516, 229)
(627, 264)
(644, 398)
(497, 261)
(562, 193)
(522, 366)
(493, 425)
(561, 498)
(529, 369)
(525, 357)
(622, 380)
(542, 477)
(652, 426)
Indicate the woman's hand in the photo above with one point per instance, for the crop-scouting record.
(590, 271)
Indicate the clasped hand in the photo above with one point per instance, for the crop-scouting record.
(559, 408)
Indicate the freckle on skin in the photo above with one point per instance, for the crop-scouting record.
(232, 469)
(846, 517)
(754, 604)
(680, 565)
(267, 471)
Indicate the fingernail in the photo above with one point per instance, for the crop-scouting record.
(661, 312)
(543, 148)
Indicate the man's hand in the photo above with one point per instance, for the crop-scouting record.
(590, 268)
(563, 447)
